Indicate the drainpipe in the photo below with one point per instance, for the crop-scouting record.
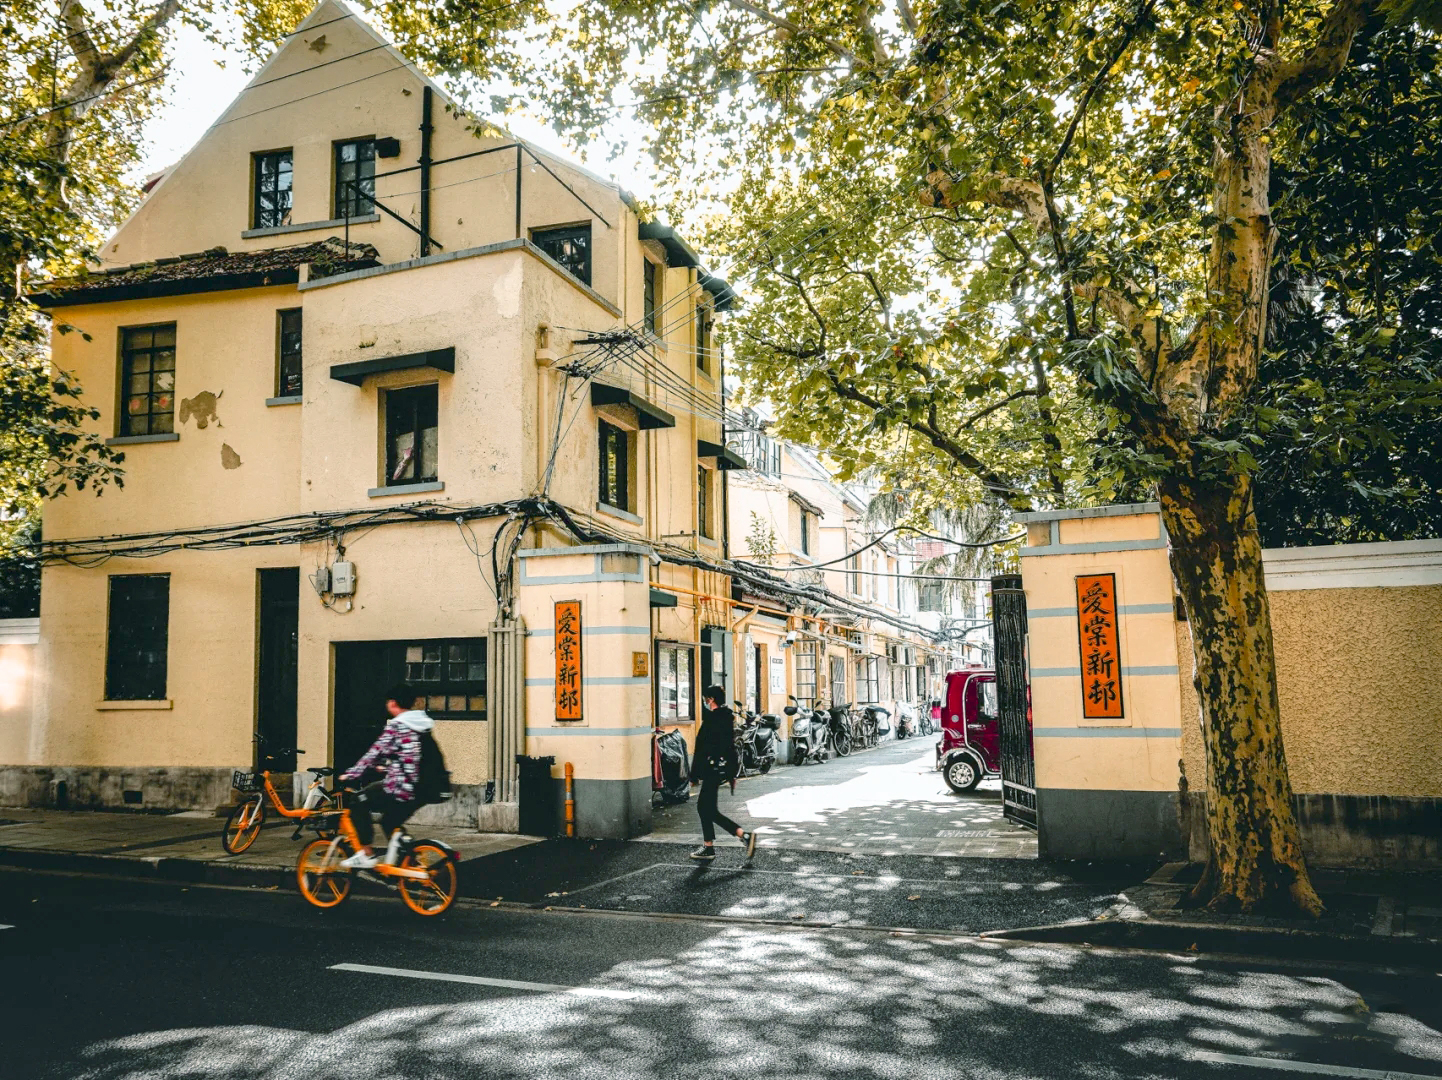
(425, 164)
(725, 473)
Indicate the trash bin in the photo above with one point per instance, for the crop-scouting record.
(537, 810)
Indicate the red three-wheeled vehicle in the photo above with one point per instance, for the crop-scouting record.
(970, 747)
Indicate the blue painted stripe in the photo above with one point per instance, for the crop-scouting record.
(1106, 733)
(1100, 546)
(1075, 672)
(599, 680)
(1126, 609)
(545, 732)
(598, 631)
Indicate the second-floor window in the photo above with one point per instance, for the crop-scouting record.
(648, 294)
(288, 383)
(703, 501)
(703, 338)
(147, 380)
(355, 177)
(412, 436)
(615, 448)
(805, 533)
(569, 246)
(272, 185)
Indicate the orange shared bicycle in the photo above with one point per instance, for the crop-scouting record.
(424, 874)
(243, 824)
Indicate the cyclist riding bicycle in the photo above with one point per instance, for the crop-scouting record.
(415, 774)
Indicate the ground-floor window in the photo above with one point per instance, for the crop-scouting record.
(806, 674)
(868, 688)
(675, 697)
(137, 638)
(838, 680)
(452, 675)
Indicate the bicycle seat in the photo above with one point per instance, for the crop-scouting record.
(323, 771)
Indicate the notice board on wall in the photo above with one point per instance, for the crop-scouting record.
(568, 660)
(1099, 635)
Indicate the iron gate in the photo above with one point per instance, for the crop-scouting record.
(1018, 767)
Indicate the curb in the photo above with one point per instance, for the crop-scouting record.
(1195, 938)
(155, 867)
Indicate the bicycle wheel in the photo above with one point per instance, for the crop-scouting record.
(842, 742)
(243, 824)
(322, 880)
(435, 895)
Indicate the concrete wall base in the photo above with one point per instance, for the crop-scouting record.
(608, 809)
(458, 812)
(1108, 825)
(1382, 832)
(102, 787)
(497, 816)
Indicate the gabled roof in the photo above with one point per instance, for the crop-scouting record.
(214, 270)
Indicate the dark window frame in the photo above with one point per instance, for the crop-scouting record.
(137, 669)
(142, 362)
(681, 648)
(805, 534)
(275, 215)
(289, 356)
(703, 502)
(441, 683)
(346, 202)
(577, 263)
(649, 291)
(412, 404)
(613, 487)
(806, 673)
(703, 338)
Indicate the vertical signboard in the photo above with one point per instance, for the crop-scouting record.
(1101, 663)
(568, 660)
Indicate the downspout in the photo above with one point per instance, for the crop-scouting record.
(725, 473)
(425, 164)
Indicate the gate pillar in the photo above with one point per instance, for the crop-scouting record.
(1106, 702)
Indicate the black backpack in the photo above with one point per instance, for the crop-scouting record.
(434, 782)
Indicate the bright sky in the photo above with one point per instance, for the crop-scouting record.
(201, 88)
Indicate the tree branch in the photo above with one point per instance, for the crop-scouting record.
(781, 22)
(1327, 55)
(908, 17)
(974, 417)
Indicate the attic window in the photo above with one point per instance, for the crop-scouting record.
(355, 177)
(570, 246)
(272, 185)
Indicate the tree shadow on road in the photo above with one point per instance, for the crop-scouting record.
(783, 1005)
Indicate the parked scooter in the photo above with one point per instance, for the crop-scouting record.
(841, 732)
(756, 740)
(905, 720)
(810, 734)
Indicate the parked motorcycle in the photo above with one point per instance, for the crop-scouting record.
(756, 740)
(841, 734)
(810, 734)
(905, 720)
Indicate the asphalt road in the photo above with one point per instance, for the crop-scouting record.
(108, 980)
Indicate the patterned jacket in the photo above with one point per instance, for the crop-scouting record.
(398, 752)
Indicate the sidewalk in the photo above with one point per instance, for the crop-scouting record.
(182, 847)
(1372, 917)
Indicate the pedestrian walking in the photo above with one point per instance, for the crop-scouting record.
(715, 763)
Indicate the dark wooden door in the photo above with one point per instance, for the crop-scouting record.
(277, 662)
(363, 672)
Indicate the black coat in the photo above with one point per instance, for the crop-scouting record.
(715, 755)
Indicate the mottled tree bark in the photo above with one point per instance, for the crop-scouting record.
(1256, 861)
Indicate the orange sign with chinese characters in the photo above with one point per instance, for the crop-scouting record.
(568, 660)
(1101, 657)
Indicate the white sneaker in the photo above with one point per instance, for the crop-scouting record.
(361, 860)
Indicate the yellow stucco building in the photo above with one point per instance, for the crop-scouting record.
(390, 386)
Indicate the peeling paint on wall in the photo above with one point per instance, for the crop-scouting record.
(201, 409)
(229, 459)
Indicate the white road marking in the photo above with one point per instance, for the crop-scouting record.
(6, 926)
(480, 980)
(1315, 1068)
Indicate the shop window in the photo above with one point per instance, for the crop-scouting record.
(614, 488)
(675, 696)
(569, 246)
(412, 436)
(147, 380)
(452, 676)
(355, 178)
(137, 637)
(271, 184)
(289, 363)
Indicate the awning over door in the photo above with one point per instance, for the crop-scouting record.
(648, 416)
(725, 458)
(355, 373)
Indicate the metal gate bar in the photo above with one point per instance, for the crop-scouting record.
(1018, 765)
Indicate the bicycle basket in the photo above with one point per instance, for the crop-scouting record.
(247, 781)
